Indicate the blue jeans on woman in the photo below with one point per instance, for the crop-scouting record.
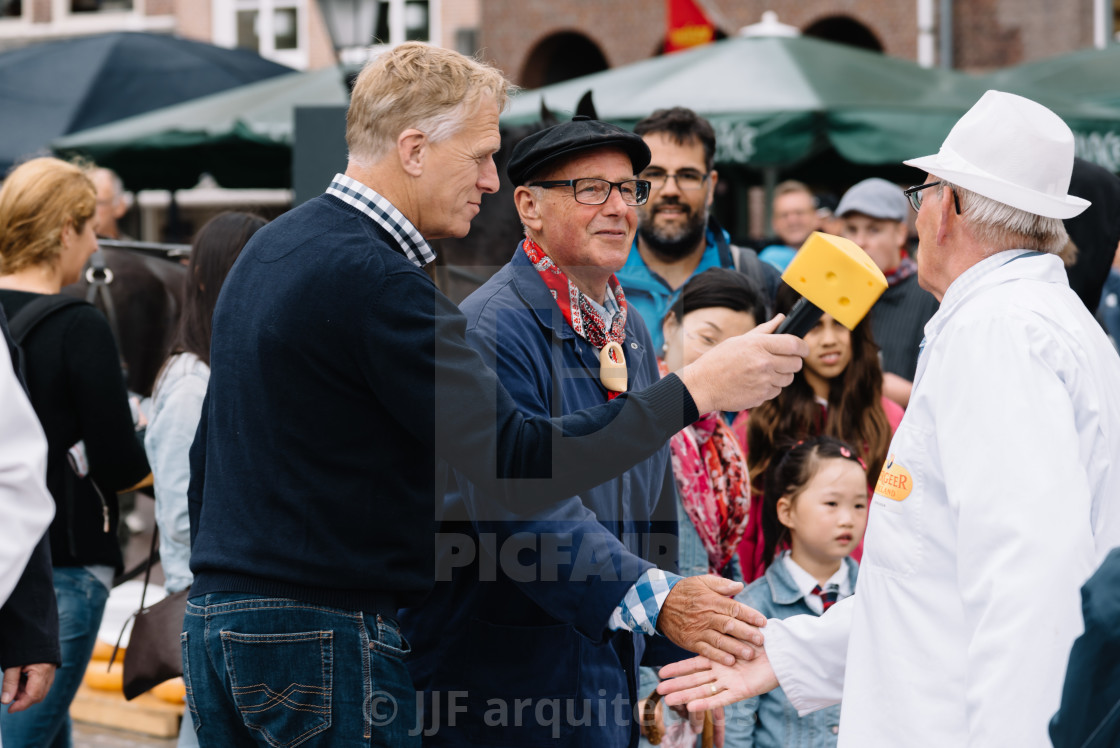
(264, 671)
(81, 602)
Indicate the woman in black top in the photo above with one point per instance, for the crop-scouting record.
(47, 233)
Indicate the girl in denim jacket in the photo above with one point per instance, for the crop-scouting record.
(816, 501)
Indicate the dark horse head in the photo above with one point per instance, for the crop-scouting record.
(140, 293)
(464, 264)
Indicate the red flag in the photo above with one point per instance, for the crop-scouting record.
(688, 26)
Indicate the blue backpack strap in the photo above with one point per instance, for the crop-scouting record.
(746, 261)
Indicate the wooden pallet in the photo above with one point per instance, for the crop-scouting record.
(145, 714)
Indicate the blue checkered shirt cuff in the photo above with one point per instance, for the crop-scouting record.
(642, 602)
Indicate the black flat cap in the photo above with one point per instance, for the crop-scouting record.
(569, 138)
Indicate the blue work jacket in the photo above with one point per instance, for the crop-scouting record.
(513, 646)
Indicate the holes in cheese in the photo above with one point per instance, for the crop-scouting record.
(837, 276)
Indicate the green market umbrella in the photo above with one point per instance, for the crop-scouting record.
(1088, 75)
(242, 137)
(778, 101)
(51, 89)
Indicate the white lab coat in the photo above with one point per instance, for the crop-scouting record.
(26, 507)
(968, 598)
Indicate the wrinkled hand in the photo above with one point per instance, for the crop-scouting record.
(26, 686)
(700, 615)
(746, 370)
(690, 682)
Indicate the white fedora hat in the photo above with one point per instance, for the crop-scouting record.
(1012, 150)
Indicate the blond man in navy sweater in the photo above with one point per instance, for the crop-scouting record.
(341, 383)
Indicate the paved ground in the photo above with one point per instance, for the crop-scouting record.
(90, 736)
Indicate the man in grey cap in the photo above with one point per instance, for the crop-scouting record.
(873, 214)
(576, 600)
(1000, 494)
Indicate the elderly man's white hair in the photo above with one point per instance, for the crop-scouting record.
(1000, 227)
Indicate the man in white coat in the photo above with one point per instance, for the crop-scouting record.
(26, 507)
(1001, 492)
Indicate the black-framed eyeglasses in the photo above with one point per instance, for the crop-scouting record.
(915, 195)
(686, 179)
(591, 191)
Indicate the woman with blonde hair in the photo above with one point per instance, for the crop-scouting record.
(47, 232)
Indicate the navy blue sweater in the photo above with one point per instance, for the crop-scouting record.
(340, 382)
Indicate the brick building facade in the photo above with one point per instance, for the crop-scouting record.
(535, 41)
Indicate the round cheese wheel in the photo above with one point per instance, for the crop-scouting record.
(97, 677)
(171, 691)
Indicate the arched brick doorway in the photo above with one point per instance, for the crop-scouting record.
(844, 30)
(561, 57)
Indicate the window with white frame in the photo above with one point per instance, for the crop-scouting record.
(363, 30)
(275, 29)
(70, 18)
(99, 6)
(403, 21)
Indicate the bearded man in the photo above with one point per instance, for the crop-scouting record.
(677, 236)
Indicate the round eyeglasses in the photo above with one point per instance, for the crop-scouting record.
(591, 191)
(687, 179)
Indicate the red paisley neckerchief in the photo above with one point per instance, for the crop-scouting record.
(577, 310)
(583, 318)
(714, 484)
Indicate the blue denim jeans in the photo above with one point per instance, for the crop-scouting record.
(264, 671)
(81, 602)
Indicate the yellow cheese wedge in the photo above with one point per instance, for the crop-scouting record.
(837, 276)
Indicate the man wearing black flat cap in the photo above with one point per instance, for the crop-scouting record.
(562, 621)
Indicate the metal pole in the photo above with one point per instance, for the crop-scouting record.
(945, 34)
(925, 34)
(769, 182)
(1102, 23)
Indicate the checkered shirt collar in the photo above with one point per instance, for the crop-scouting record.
(356, 194)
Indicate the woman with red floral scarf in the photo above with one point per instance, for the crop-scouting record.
(709, 461)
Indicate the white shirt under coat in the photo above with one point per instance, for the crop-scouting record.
(968, 599)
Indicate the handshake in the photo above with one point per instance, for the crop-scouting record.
(700, 615)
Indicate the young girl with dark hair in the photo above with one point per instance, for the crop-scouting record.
(181, 386)
(815, 502)
(838, 392)
(179, 391)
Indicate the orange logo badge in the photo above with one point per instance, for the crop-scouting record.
(895, 482)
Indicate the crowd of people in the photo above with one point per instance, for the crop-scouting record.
(602, 502)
